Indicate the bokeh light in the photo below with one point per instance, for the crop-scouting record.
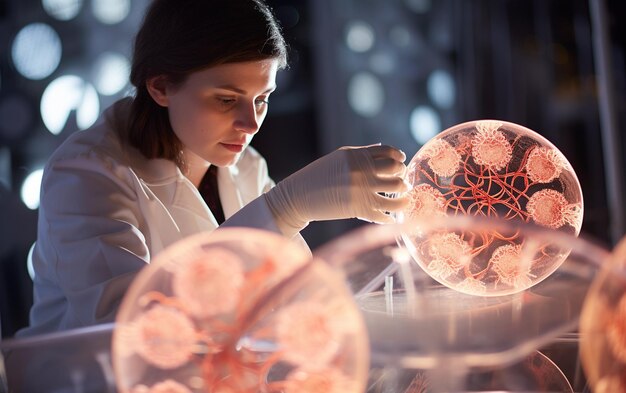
(111, 12)
(441, 89)
(366, 94)
(64, 95)
(360, 36)
(111, 71)
(30, 189)
(36, 51)
(29, 262)
(62, 9)
(424, 123)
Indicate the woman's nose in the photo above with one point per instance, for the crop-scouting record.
(247, 119)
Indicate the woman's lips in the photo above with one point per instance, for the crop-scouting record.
(235, 148)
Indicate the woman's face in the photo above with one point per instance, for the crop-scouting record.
(216, 112)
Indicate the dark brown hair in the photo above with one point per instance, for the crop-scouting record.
(179, 37)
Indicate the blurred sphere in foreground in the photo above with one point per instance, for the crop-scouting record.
(603, 327)
(493, 169)
(416, 323)
(239, 310)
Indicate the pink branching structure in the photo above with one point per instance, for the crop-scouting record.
(498, 170)
(216, 322)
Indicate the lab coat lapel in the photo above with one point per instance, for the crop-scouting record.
(176, 204)
(164, 229)
(189, 208)
(230, 195)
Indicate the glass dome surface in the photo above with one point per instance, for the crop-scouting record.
(494, 169)
(239, 310)
(415, 322)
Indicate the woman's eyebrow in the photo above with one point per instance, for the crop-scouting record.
(232, 88)
(241, 91)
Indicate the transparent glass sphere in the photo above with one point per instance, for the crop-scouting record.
(495, 169)
(603, 326)
(414, 322)
(239, 310)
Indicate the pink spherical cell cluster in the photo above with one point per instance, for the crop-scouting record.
(442, 158)
(239, 310)
(449, 254)
(507, 262)
(211, 285)
(551, 209)
(491, 169)
(544, 165)
(426, 202)
(164, 337)
(490, 147)
(308, 333)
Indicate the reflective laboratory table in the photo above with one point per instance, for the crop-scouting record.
(79, 361)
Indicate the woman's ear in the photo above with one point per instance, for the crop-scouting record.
(157, 88)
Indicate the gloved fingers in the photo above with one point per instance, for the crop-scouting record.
(390, 204)
(378, 150)
(378, 217)
(389, 166)
(384, 151)
(359, 147)
(389, 184)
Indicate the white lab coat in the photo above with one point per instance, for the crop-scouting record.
(106, 210)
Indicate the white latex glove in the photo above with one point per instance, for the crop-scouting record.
(343, 184)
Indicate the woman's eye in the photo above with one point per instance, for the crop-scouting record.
(225, 100)
(261, 101)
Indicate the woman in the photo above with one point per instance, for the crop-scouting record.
(175, 159)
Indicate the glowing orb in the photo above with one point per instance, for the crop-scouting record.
(603, 326)
(498, 170)
(239, 310)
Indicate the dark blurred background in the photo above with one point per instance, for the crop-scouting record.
(362, 71)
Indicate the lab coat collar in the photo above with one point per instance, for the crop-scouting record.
(174, 190)
(230, 195)
(167, 182)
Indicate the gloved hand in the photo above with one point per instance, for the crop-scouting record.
(343, 184)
